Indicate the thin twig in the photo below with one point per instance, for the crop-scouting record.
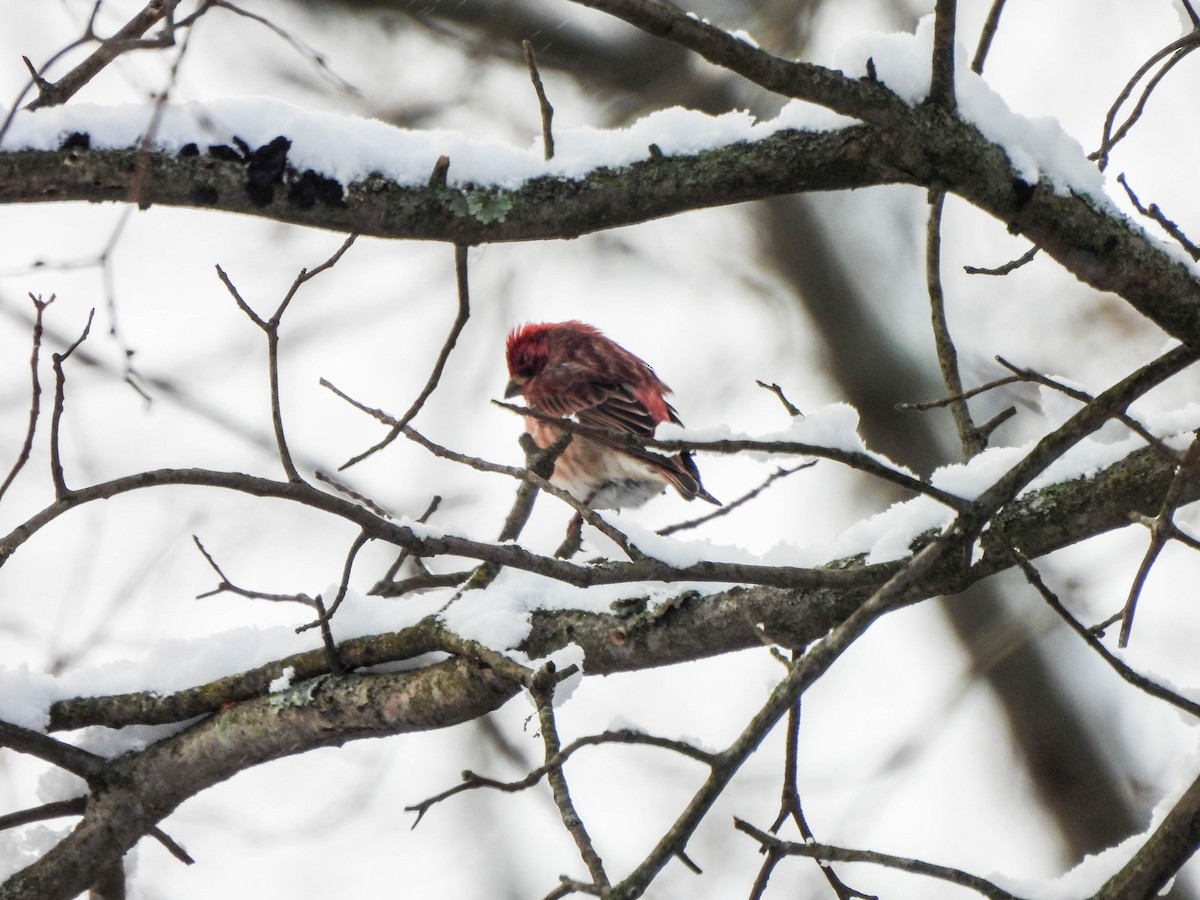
(404, 554)
(1177, 49)
(540, 462)
(543, 695)
(733, 504)
(55, 810)
(965, 395)
(60, 381)
(1160, 535)
(1026, 374)
(128, 37)
(543, 103)
(171, 846)
(990, 25)
(422, 582)
(1141, 682)
(589, 515)
(968, 434)
(473, 781)
(828, 853)
(333, 659)
(35, 393)
(354, 495)
(1154, 212)
(228, 587)
(996, 421)
(790, 807)
(1024, 259)
(314, 57)
(87, 765)
(460, 320)
(270, 327)
(343, 585)
(775, 389)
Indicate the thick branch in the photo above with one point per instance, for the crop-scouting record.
(925, 146)
(635, 636)
(146, 787)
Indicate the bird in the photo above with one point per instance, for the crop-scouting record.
(571, 369)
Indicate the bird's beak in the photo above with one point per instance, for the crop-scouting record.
(513, 389)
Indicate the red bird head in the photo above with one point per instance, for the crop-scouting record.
(534, 345)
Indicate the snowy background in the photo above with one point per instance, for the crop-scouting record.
(903, 748)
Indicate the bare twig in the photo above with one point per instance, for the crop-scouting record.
(35, 393)
(472, 781)
(60, 382)
(543, 103)
(734, 504)
(128, 37)
(778, 392)
(88, 766)
(316, 58)
(986, 429)
(542, 690)
(55, 810)
(589, 515)
(965, 395)
(1141, 682)
(790, 807)
(1154, 212)
(423, 582)
(828, 853)
(990, 25)
(228, 587)
(1176, 50)
(1161, 531)
(968, 435)
(354, 495)
(343, 585)
(1026, 374)
(270, 327)
(1024, 259)
(76, 807)
(541, 463)
(404, 554)
(460, 320)
(333, 659)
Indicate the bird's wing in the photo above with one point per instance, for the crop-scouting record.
(572, 391)
(601, 404)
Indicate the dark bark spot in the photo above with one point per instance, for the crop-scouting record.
(205, 195)
(1023, 192)
(312, 188)
(77, 140)
(265, 170)
(224, 152)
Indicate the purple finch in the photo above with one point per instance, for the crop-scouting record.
(571, 369)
